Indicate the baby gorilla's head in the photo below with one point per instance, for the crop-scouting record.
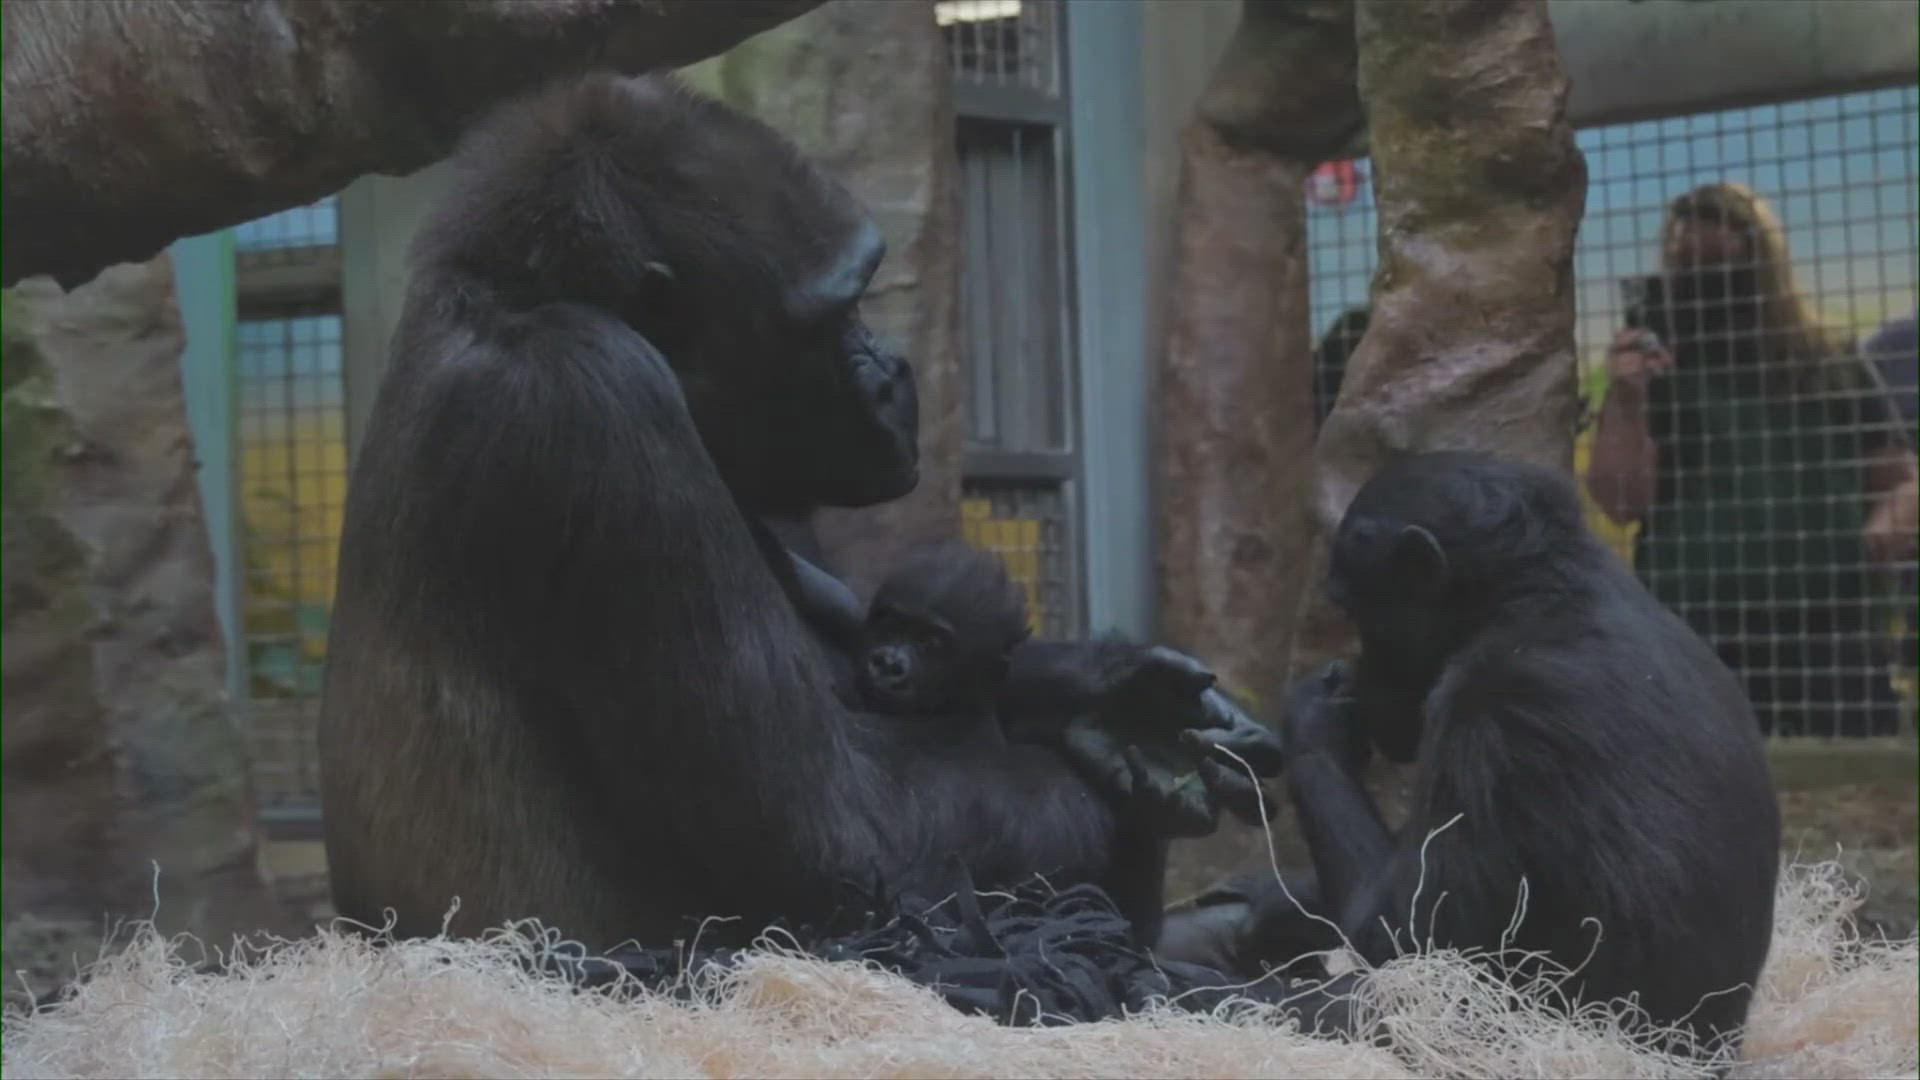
(939, 632)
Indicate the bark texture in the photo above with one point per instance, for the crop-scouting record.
(1235, 419)
(862, 87)
(131, 123)
(1480, 189)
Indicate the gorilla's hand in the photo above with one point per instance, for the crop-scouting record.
(1320, 719)
(1154, 781)
(1156, 743)
(1158, 692)
(1226, 726)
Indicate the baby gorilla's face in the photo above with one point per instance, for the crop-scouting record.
(906, 665)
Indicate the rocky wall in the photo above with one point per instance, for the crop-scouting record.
(120, 750)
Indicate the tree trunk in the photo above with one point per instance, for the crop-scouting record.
(1480, 189)
(862, 87)
(132, 123)
(1235, 414)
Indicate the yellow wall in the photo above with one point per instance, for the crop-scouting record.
(1015, 540)
(1618, 537)
(292, 496)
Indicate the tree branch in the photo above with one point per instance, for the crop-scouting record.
(1235, 422)
(131, 123)
(1480, 189)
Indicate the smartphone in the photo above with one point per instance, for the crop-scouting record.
(1643, 301)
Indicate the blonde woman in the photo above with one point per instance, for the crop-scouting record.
(1751, 443)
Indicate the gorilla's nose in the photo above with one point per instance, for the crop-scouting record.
(886, 665)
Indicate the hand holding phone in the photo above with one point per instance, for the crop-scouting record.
(1637, 356)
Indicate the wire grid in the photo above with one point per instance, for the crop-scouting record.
(1002, 42)
(1013, 287)
(1754, 535)
(289, 231)
(1029, 527)
(293, 481)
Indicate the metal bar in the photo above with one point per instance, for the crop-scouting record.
(1009, 466)
(292, 823)
(288, 279)
(1106, 238)
(1647, 61)
(1009, 103)
(977, 281)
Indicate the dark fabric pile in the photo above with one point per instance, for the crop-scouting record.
(1028, 956)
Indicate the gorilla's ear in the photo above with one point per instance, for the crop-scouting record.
(1417, 561)
(840, 278)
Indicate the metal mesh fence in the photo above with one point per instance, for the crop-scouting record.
(292, 464)
(1022, 447)
(1762, 247)
(1029, 527)
(279, 234)
(1002, 42)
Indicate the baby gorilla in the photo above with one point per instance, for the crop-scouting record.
(937, 638)
(944, 648)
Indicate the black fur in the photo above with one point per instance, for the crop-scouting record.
(1590, 744)
(938, 637)
(1142, 723)
(566, 677)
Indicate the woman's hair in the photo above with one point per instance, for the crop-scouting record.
(1793, 329)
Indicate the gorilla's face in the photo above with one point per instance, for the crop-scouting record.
(907, 664)
(870, 426)
(800, 405)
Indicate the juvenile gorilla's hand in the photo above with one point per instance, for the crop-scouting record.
(1155, 742)
(1162, 692)
(1320, 719)
(1155, 781)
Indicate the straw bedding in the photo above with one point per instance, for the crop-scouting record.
(1831, 1004)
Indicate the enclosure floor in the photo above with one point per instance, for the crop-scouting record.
(1871, 828)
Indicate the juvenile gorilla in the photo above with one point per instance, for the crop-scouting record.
(1581, 751)
(566, 677)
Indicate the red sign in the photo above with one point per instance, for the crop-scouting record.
(1334, 183)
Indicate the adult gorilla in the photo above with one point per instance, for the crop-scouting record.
(565, 679)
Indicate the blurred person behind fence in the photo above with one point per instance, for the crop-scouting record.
(1893, 532)
(1753, 444)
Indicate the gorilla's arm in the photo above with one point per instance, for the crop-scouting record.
(1382, 890)
(824, 601)
(1146, 722)
(1324, 751)
(1145, 686)
(1060, 678)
